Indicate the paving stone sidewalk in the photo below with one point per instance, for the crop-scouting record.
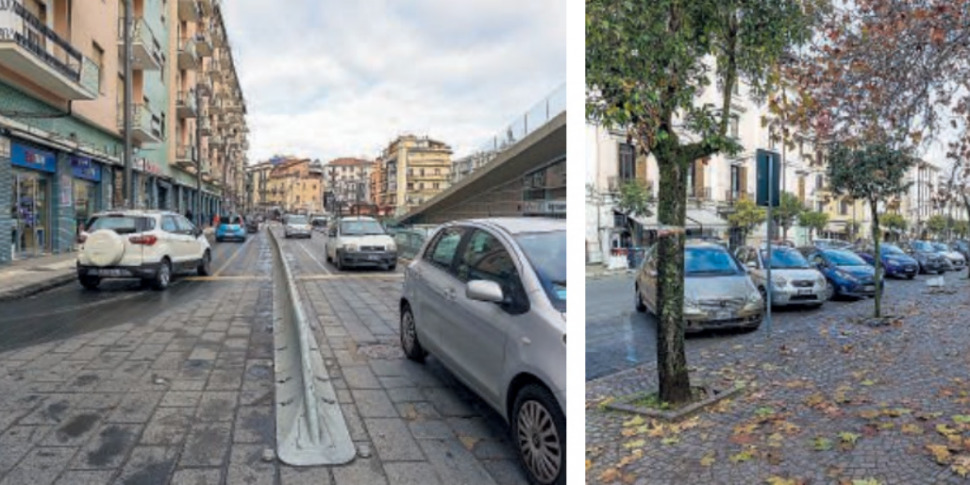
(186, 397)
(829, 401)
(28, 276)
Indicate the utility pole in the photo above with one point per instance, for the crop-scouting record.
(129, 202)
(198, 149)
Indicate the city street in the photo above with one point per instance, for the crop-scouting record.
(134, 386)
(826, 400)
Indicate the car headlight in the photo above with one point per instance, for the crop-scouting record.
(846, 275)
(754, 299)
(391, 247)
(691, 305)
(820, 280)
(349, 247)
(779, 280)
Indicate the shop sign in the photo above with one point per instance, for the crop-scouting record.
(146, 166)
(85, 168)
(30, 157)
(557, 207)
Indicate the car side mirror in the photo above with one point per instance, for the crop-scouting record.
(751, 265)
(484, 290)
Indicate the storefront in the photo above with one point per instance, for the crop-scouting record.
(32, 171)
(86, 187)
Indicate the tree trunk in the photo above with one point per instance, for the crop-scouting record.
(671, 214)
(877, 257)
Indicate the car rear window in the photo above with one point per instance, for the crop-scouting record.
(121, 224)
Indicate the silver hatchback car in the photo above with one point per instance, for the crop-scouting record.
(488, 299)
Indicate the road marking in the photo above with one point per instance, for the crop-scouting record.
(308, 253)
(227, 278)
(345, 276)
(231, 258)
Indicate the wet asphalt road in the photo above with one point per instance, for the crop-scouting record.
(71, 310)
(618, 338)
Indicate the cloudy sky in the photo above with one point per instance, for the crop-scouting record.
(332, 78)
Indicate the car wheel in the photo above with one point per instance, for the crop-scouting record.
(829, 291)
(205, 266)
(539, 433)
(163, 277)
(328, 258)
(409, 336)
(90, 282)
(764, 295)
(338, 262)
(910, 276)
(392, 267)
(639, 300)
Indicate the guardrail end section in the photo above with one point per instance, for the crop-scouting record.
(310, 426)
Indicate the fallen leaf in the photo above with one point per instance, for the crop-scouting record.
(468, 441)
(945, 430)
(848, 437)
(776, 480)
(742, 456)
(822, 444)
(912, 428)
(940, 453)
(589, 464)
(670, 440)
(609, 475)
(634, 444)
(708, 459)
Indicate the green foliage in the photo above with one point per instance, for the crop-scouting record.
(788, 210)
(936, 224)
(961, 229)
(893, 221)
(747, 215)
(873, 172)
(634, 198)
(813, 221)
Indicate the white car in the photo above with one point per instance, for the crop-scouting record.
(956, 260)
(143, 244)
(360, 241)
(487, 298)
(296, 225)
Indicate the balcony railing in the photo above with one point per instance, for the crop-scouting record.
(185, 105)
(188, 57)
(203, 44)
(39, 54)
(145, 48)
(702, 193)
(185, 155)
(189, 10)
(733, 196)
(145, 126)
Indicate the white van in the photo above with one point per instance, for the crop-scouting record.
(360, 241)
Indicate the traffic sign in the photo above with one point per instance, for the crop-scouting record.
(768, 168)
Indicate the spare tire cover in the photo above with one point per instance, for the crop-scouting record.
(104, 247)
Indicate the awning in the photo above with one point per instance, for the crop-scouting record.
(836, 226)
(696, 218)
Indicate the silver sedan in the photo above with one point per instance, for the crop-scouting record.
(487, 298)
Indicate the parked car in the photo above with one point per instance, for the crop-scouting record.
(956, 260)
(252, 224)
(360, 241)
(718, 293)
(148, 245)
(895, 261)
(961, 246)
(296, 225)
(487, 298)
(231, 227)
(930, 261)
(795, 281)
(319, 223)
(822, 243)
(849, 275)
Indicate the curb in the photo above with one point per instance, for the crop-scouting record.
(39, 287)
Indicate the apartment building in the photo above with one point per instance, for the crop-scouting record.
(348, 182)
(296, 185)
(417, 169)
(377, 184)
(464, 166)
(258, 183)
(62, 116)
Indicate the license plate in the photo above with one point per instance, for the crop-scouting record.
(723, 315)
(805, 291)
(373, 257)
(869, 288)
(109, 272)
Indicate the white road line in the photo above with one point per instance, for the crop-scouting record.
(308, 253)
(233, 256)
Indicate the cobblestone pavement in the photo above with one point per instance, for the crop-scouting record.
(828, 400)
(184, 393)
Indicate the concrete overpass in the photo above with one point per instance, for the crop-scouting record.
(498, 188)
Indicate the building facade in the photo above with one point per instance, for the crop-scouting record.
(62, 114)
(416, 170)
(295, 185)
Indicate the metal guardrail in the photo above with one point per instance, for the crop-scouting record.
(310, 427)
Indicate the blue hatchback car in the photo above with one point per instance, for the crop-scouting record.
(895, 262)
(848, 274)
(231, 227)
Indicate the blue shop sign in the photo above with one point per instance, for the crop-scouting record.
(30, 157)
(85, 168)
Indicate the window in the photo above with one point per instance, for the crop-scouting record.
(627, 165)
(420, 185)
(819, 181)
(485, 258)
(97, 55)
(169, 224)
(437, 171)
(184, 225)
(733, 125)
(436, 185)
(410, 185)
(844, 207)
(441, 253)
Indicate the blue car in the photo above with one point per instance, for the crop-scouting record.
(895, 262)
(231, 227)
(847, 273)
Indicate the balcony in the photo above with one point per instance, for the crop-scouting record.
(146, 127)
(217, 106)
(699, 193)
(189, 10)
(203, 44)
(733, 196)
(188, 57)
(216, 140)
(31, 49)
(205, 126)
(185, 106)
(206, 7)
(145, 49)
(185, 156)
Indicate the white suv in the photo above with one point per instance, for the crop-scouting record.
(360, 241)
(150, 245)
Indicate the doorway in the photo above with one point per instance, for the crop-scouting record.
(31, 218)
